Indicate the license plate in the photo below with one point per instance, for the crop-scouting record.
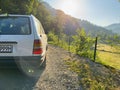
(6, 48)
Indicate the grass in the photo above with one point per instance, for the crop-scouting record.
(94, 76)
(90, 77)
(109, 55)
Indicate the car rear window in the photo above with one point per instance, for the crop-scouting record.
(14, 26)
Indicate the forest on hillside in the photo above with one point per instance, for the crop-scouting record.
(34, 7)
(51, 19)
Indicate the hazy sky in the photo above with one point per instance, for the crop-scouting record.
(100, 12)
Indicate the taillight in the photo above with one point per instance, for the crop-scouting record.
(37, 49)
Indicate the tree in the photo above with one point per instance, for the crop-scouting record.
(16, 6)
(34, 7)
(52, 38)
(83, 44)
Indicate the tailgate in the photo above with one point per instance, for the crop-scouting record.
(16, 45)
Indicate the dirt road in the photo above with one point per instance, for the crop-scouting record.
(55, 76)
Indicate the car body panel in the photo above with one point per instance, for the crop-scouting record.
(24, 43)
(23, 47)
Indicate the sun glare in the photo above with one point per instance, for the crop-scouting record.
(69, 6)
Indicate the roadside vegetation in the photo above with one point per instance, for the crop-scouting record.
(93, 76)
(108, 51)
(103, 74)
(80, 43)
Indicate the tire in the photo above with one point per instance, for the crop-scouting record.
(43, 65)
(28, 69)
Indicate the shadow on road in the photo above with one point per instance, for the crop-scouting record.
(12, 79)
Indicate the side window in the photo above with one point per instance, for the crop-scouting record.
(42, 29)
(37, 26)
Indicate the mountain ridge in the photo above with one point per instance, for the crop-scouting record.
(115, 27)
(71, 23)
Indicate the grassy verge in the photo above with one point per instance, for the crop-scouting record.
(92, 76)
(109, 55)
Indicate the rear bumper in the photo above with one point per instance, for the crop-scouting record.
(7, 59)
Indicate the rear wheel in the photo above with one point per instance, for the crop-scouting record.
(43, 65)
(30, 69)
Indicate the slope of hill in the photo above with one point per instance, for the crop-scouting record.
(70, 24)
(114, 27)
(94, 30)
(50, 9)
(67, 23)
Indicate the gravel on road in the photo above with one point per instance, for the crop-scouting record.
(57, 76)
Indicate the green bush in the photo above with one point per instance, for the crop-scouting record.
(80, 43)
(83, 44)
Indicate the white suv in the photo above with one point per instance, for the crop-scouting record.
(23, 39)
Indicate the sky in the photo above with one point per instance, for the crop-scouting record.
(99, 12)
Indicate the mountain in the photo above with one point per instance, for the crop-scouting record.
(70, 24)
(93, 29)
(51, 10)
(114, 27)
